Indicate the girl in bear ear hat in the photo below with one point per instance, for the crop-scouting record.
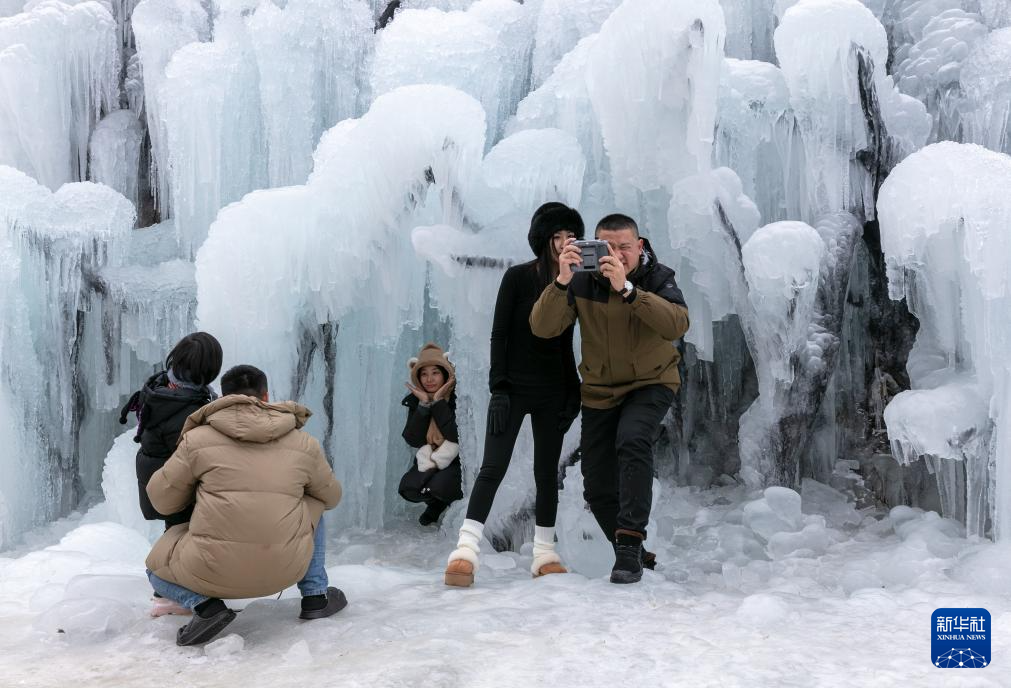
(529, 376)
(434, 476)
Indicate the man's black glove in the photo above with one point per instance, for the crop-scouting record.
(568, 412)
(498, 413)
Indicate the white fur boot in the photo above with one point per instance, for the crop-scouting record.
(546, 559)
(463, 561)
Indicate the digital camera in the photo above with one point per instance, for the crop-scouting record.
(591, 250)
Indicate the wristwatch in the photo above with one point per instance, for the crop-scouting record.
(626, 290)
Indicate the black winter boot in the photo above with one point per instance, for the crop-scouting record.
(627, 557)
(432, 512)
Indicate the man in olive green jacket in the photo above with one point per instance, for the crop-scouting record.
(630, 314)
(258, 485)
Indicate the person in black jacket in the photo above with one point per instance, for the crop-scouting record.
(162, 406)
(434, 477)
(529, 376)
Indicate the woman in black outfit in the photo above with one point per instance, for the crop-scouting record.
(529, 376)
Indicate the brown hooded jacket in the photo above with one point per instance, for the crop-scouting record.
(260, 486)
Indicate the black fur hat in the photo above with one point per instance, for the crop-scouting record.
(550, 218)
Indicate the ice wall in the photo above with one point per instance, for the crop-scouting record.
(750, 25)
(161, 27)
(756, 136)
(986, 81)
(484, 52)
(852, 119)
(945, 217)
(561, 24)
(637, 148)
(798, 277)
(23, 478)
(245, 110)
(115, 152)
(930, 68)
(52, 351)
(59, 68)
(653, 142)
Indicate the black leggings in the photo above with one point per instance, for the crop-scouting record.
(544, 411)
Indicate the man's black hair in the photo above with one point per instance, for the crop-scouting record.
(617, 222)
(196, 358)
(244, 379)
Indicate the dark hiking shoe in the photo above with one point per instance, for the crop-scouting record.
(209, 619)
(627, 557)
(648, 560)
(322, 606)
(431, 514)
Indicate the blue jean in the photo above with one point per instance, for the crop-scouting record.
(314, 582)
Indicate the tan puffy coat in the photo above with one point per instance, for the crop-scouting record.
(260, 486)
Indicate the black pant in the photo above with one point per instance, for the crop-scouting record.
(617, 463)
(445, 486)
(545, 415)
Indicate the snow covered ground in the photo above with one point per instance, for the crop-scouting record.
(750, 591)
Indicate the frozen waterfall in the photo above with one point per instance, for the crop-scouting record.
(325, 192)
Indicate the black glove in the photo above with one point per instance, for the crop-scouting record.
(498, 413)
(568, 412)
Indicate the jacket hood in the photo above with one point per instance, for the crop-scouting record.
(430, 354)
(164, 403)
(649, 260)
(248, 419)
(550, 218)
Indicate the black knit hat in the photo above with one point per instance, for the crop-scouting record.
(550, 218)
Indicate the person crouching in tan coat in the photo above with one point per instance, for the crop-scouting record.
(258, 485)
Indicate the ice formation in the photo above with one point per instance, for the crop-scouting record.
(56, 244)
(484, 52)
(930, 69)
(325, 192)
(561, 24)
(115, 151)
(987, 86)
(833, 55)
(59, 68)
(944, 219)
(793, 327)
(160, 29)
(756, 136)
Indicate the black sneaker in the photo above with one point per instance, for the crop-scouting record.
(432, 512)
(206, 623)
(627, 557)
(322, 606)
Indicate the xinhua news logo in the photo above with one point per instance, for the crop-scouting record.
(960, 638)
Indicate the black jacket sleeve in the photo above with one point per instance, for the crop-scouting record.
(418, 416)
(445, 417)
(498, 377)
